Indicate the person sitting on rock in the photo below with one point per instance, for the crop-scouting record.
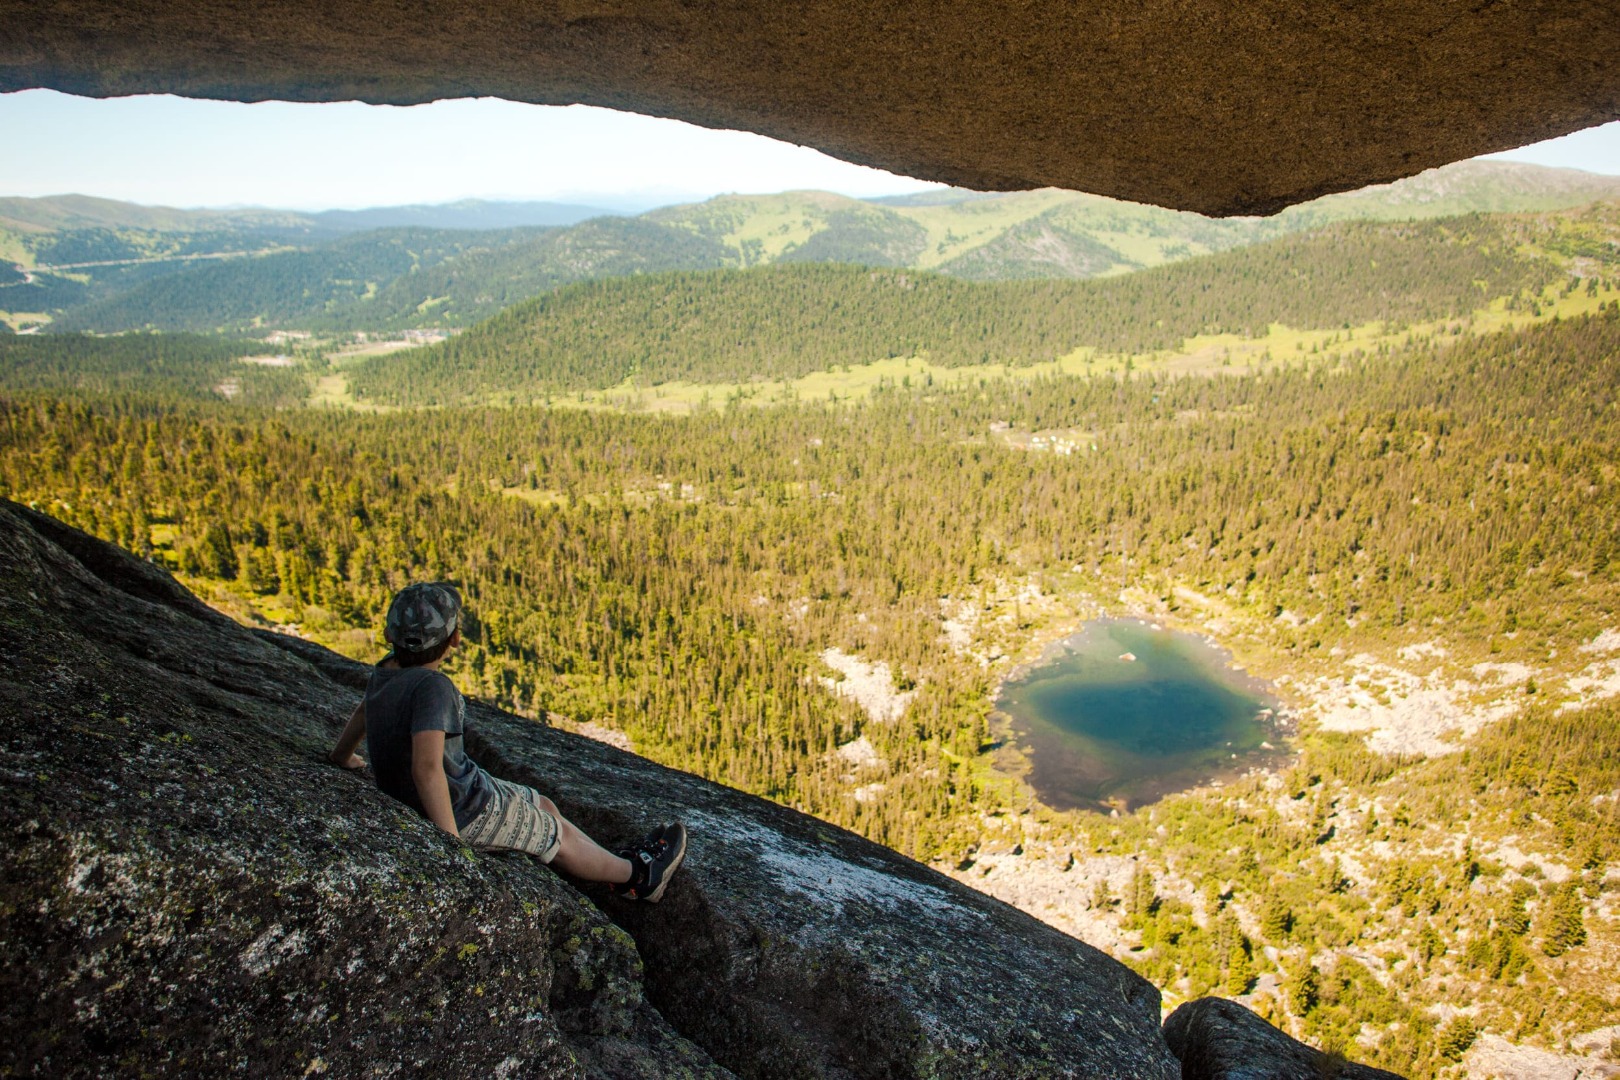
(413, 721)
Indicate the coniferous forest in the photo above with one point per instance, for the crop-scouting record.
(787, 321)
(1449, 501)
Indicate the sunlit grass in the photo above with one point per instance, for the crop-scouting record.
(764, 226)
(13, 250)
(332, 391)
(957, 228)
(22, 320)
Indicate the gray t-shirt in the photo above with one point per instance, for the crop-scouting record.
(399, 703)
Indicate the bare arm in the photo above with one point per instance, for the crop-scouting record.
(427, 772)
(355, 730)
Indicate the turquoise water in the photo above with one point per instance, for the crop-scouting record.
(1099, 730)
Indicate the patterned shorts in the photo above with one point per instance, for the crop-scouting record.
(514, 820)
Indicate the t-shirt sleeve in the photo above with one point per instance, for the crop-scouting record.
(434, 706)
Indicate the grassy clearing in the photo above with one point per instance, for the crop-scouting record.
(776, 225)
(534, 496)
(332, 392)
(956, 228)
(14, 250)
(761, 228)
(1214, 353)
(23, 320)
(1147, 249)
(350, 355)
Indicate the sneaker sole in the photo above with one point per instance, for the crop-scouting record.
(680, 857)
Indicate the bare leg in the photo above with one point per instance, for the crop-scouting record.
(580, 856)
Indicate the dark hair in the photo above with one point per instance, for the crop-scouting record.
(405, 658)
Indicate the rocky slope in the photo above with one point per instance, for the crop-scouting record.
(189, 888)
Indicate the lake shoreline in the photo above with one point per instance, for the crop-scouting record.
(1210, 661)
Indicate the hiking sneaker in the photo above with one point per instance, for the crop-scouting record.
(653, 862)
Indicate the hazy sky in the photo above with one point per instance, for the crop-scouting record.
(179, 152)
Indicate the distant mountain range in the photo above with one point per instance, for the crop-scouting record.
(96, 264)
(466, 214)
(71, 212)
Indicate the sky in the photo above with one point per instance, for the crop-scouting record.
(164, 150)
(159, 149)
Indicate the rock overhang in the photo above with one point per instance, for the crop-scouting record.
(1192, 104)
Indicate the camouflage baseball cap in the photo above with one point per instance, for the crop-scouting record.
(423, 616)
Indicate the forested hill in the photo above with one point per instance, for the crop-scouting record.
(394, 279)
(1066, 234)
(288, 287)
(225, 264)
(39, 227)
(173, 366)
(787, 321)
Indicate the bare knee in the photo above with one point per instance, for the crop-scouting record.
(549, 807)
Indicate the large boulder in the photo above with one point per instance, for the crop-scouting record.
(1221, 1040)
(1203, 105)
(188, 887)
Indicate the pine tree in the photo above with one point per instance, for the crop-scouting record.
(217, 554)
(1565, 926)
(1276, 920)
(1304, 990)
(1454, 1039)
(1142, 901)
(1239, 971)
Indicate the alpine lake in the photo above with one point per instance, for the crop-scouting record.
(1123, 713)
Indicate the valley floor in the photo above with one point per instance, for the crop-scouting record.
(1415, 544)
(1415, 697)
(1425, 699)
